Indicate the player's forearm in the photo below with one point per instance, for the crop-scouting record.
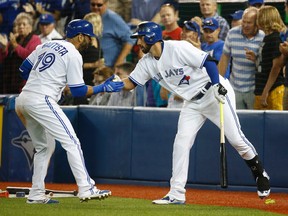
(90, 91)
(128, 85)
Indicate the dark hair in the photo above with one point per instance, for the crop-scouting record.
(126, 66)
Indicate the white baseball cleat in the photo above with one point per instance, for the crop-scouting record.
(263, 185)
(44, 201)
(167, 200)
(94, 193)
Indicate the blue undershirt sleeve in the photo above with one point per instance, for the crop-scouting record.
(212, 70)
(79, 91)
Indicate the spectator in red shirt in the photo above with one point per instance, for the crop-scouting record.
(21, 43)
(169, 20)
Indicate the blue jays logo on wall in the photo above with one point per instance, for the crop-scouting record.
(24, 142)
(184, 80)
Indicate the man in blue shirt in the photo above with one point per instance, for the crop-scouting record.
(212, 44)
(115, 41)
(209, 10)
(242, 44)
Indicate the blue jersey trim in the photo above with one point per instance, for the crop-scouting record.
(25, 68)
(135, 82)
(74, 141)
(203, 62)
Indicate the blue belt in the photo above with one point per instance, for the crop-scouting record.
(202, 93)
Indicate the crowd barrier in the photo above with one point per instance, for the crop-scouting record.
(135, 144)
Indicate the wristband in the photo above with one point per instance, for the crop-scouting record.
(97, 89)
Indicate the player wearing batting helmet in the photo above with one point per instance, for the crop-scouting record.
(191, 74)
(48, 69)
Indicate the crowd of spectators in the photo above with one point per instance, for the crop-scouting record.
(247, 51)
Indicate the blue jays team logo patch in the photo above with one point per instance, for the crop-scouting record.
(185, 80)
(24, 142)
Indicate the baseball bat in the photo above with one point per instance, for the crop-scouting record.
(223, 159)
(14, 190)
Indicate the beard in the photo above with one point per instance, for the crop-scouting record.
(146, 49)
(84, 45)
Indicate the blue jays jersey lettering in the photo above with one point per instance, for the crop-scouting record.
(158, 77)
(178, 65)
(174, 72)
(57, 47)
(47, 76)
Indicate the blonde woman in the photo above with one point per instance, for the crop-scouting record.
(13, 50)
(269, 82)
(93, 55)
(95, 49)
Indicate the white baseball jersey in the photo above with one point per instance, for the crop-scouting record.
(179, 69)
(53, 68)
(55, 64)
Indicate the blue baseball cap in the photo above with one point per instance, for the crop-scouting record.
(192, 26)
(253, 2)
(237, 15)
(46, 19)
(210, 23)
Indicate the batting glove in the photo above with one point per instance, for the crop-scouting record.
(109, 86)
(219, 92)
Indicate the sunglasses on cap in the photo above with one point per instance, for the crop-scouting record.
(208, 23)
(96, 4)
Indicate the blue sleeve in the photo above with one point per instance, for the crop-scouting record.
(79, 91)
(25, 68)
(212, 70)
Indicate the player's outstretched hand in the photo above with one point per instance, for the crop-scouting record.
(111, 86)
(219, 92)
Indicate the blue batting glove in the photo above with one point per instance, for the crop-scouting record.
(108, 86)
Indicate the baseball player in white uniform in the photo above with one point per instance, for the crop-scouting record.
(48, 69)
(190, 73)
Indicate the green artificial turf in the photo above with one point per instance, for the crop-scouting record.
(118, 207)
